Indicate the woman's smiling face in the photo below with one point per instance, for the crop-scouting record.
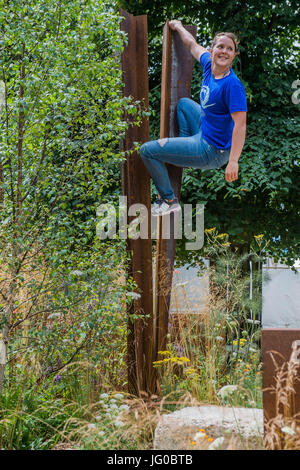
(223, 52)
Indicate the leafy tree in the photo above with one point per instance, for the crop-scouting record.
(61, 121)
(265, 199)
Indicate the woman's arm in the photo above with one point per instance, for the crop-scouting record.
(238, 140)
(188, 39)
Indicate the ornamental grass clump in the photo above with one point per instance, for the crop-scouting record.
(282, 432)
(117, 421)
(222, 341)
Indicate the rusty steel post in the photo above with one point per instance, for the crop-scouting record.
(136, 186)
(177, 69)
(281, 374)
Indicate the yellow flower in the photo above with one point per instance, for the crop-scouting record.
(156, 363)
(184, 359)
(210, 439)
(165, 353)
(209, 230)
(202, 430)
(222, 235)
(190, 370)
(193, 443)
(258, 239)
(242, 342)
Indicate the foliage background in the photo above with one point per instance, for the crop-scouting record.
(266, 198)
(62, 299)
(62, 118)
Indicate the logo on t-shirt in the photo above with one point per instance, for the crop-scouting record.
(204, 97)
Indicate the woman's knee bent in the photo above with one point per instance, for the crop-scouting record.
(183, 103)
(153, 148)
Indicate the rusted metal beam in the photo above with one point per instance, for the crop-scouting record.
(136, 186)
(281, 375)
(177, 69)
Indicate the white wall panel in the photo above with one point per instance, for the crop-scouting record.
(281, 296)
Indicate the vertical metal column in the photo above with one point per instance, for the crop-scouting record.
(177, 69)
(281, 394)
(136, 186)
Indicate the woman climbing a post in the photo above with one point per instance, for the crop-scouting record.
(211, 133)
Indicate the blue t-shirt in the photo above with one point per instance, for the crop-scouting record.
(218, 99)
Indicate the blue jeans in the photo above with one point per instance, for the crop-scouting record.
(187, 150)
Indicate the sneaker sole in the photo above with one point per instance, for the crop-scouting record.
(171, 211)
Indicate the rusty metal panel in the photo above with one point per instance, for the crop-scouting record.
(177, 69)
(128, 55)
(279, 346)
(136, 186)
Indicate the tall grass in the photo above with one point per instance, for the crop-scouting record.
(212, 357)
(220, 343)
(282, 432)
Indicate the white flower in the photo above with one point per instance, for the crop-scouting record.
(112, 400)
(104, 396)
(124, 407)
(133, 295)
(101, 433)
(92, 426)
(227, 390)
(118, 396)
(288, 430)
(199, 435)
(219, 339)
(216, 444)
(114, 407)
(98, 418)
(119, 424)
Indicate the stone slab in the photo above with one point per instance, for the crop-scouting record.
(176, 430)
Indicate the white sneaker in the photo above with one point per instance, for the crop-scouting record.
(156, 206)
(164, 207)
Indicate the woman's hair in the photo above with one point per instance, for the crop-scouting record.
(232, 36)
